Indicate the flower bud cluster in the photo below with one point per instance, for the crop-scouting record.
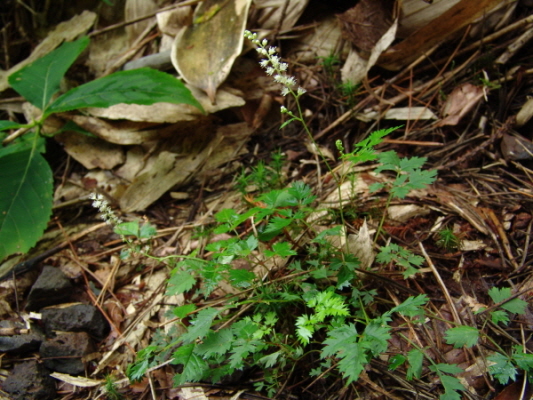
(274, 66)
(106, 213)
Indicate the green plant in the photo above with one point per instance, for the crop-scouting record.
(111, 389)
(25, 176)
(299, 294)
(448, 240)
(263, 177)
(501, 366)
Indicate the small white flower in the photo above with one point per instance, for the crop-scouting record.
(301, 90)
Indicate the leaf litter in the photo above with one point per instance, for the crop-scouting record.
(440, 66)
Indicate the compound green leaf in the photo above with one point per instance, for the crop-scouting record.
(25, 200)
(40, 80)
(139, 86)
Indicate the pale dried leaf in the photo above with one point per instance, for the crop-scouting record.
(78, 381)
(280, 15)
(172, 169)
(403, 213)
(360, 244)
(192, 393)
(134, 9)
(440, 29)
(204, 52)
(415, 14)
(168, 112)
(323, 41)
(356, 67)
(525, 113)
(91, 152)
(462, 99)
(398, 113)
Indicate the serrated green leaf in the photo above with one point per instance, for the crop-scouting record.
(184, 310)
(415, 358)
(452, 386)
(139, 86)
(200, 325)
(25, 200)
(462, 336)
(501, 368)
(499, 316)
(516, 305)
(216, 343)
(270, 360)
(446, 368)
(375, 338)
(40, 80)
(395, 361)
(180, 282)
(523, 360)
(241, 278)
(130, 228)
(194, 367)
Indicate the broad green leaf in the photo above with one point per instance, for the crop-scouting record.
(194, 367)
(395, 361)
(498, 316)
(241, 278)
(40, 80)
(25, 200)
(200, 326)
(22, 143)
(452, 386)
(462, 336)
(139, 86)
(216, 343)
(501, 368)
(516, 305)
(446, 368)
(4, 125)
(415, 358)
(183, 311)
(180, 282)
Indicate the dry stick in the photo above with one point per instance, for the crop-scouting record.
(441, 284)
(503, 236)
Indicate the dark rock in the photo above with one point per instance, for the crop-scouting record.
(22, 343)
(30, 381)
(64, 352)
(76, 318)
(52, 287)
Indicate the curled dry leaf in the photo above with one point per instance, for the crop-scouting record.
(460, 102)
(203, 53)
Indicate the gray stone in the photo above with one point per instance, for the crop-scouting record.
(22, 343)
(52, 287)
(76, 318)
(30, 381)
(64, 353)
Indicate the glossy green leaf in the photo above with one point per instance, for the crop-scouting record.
(139, 86)
(40, 80)
(25, 200)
